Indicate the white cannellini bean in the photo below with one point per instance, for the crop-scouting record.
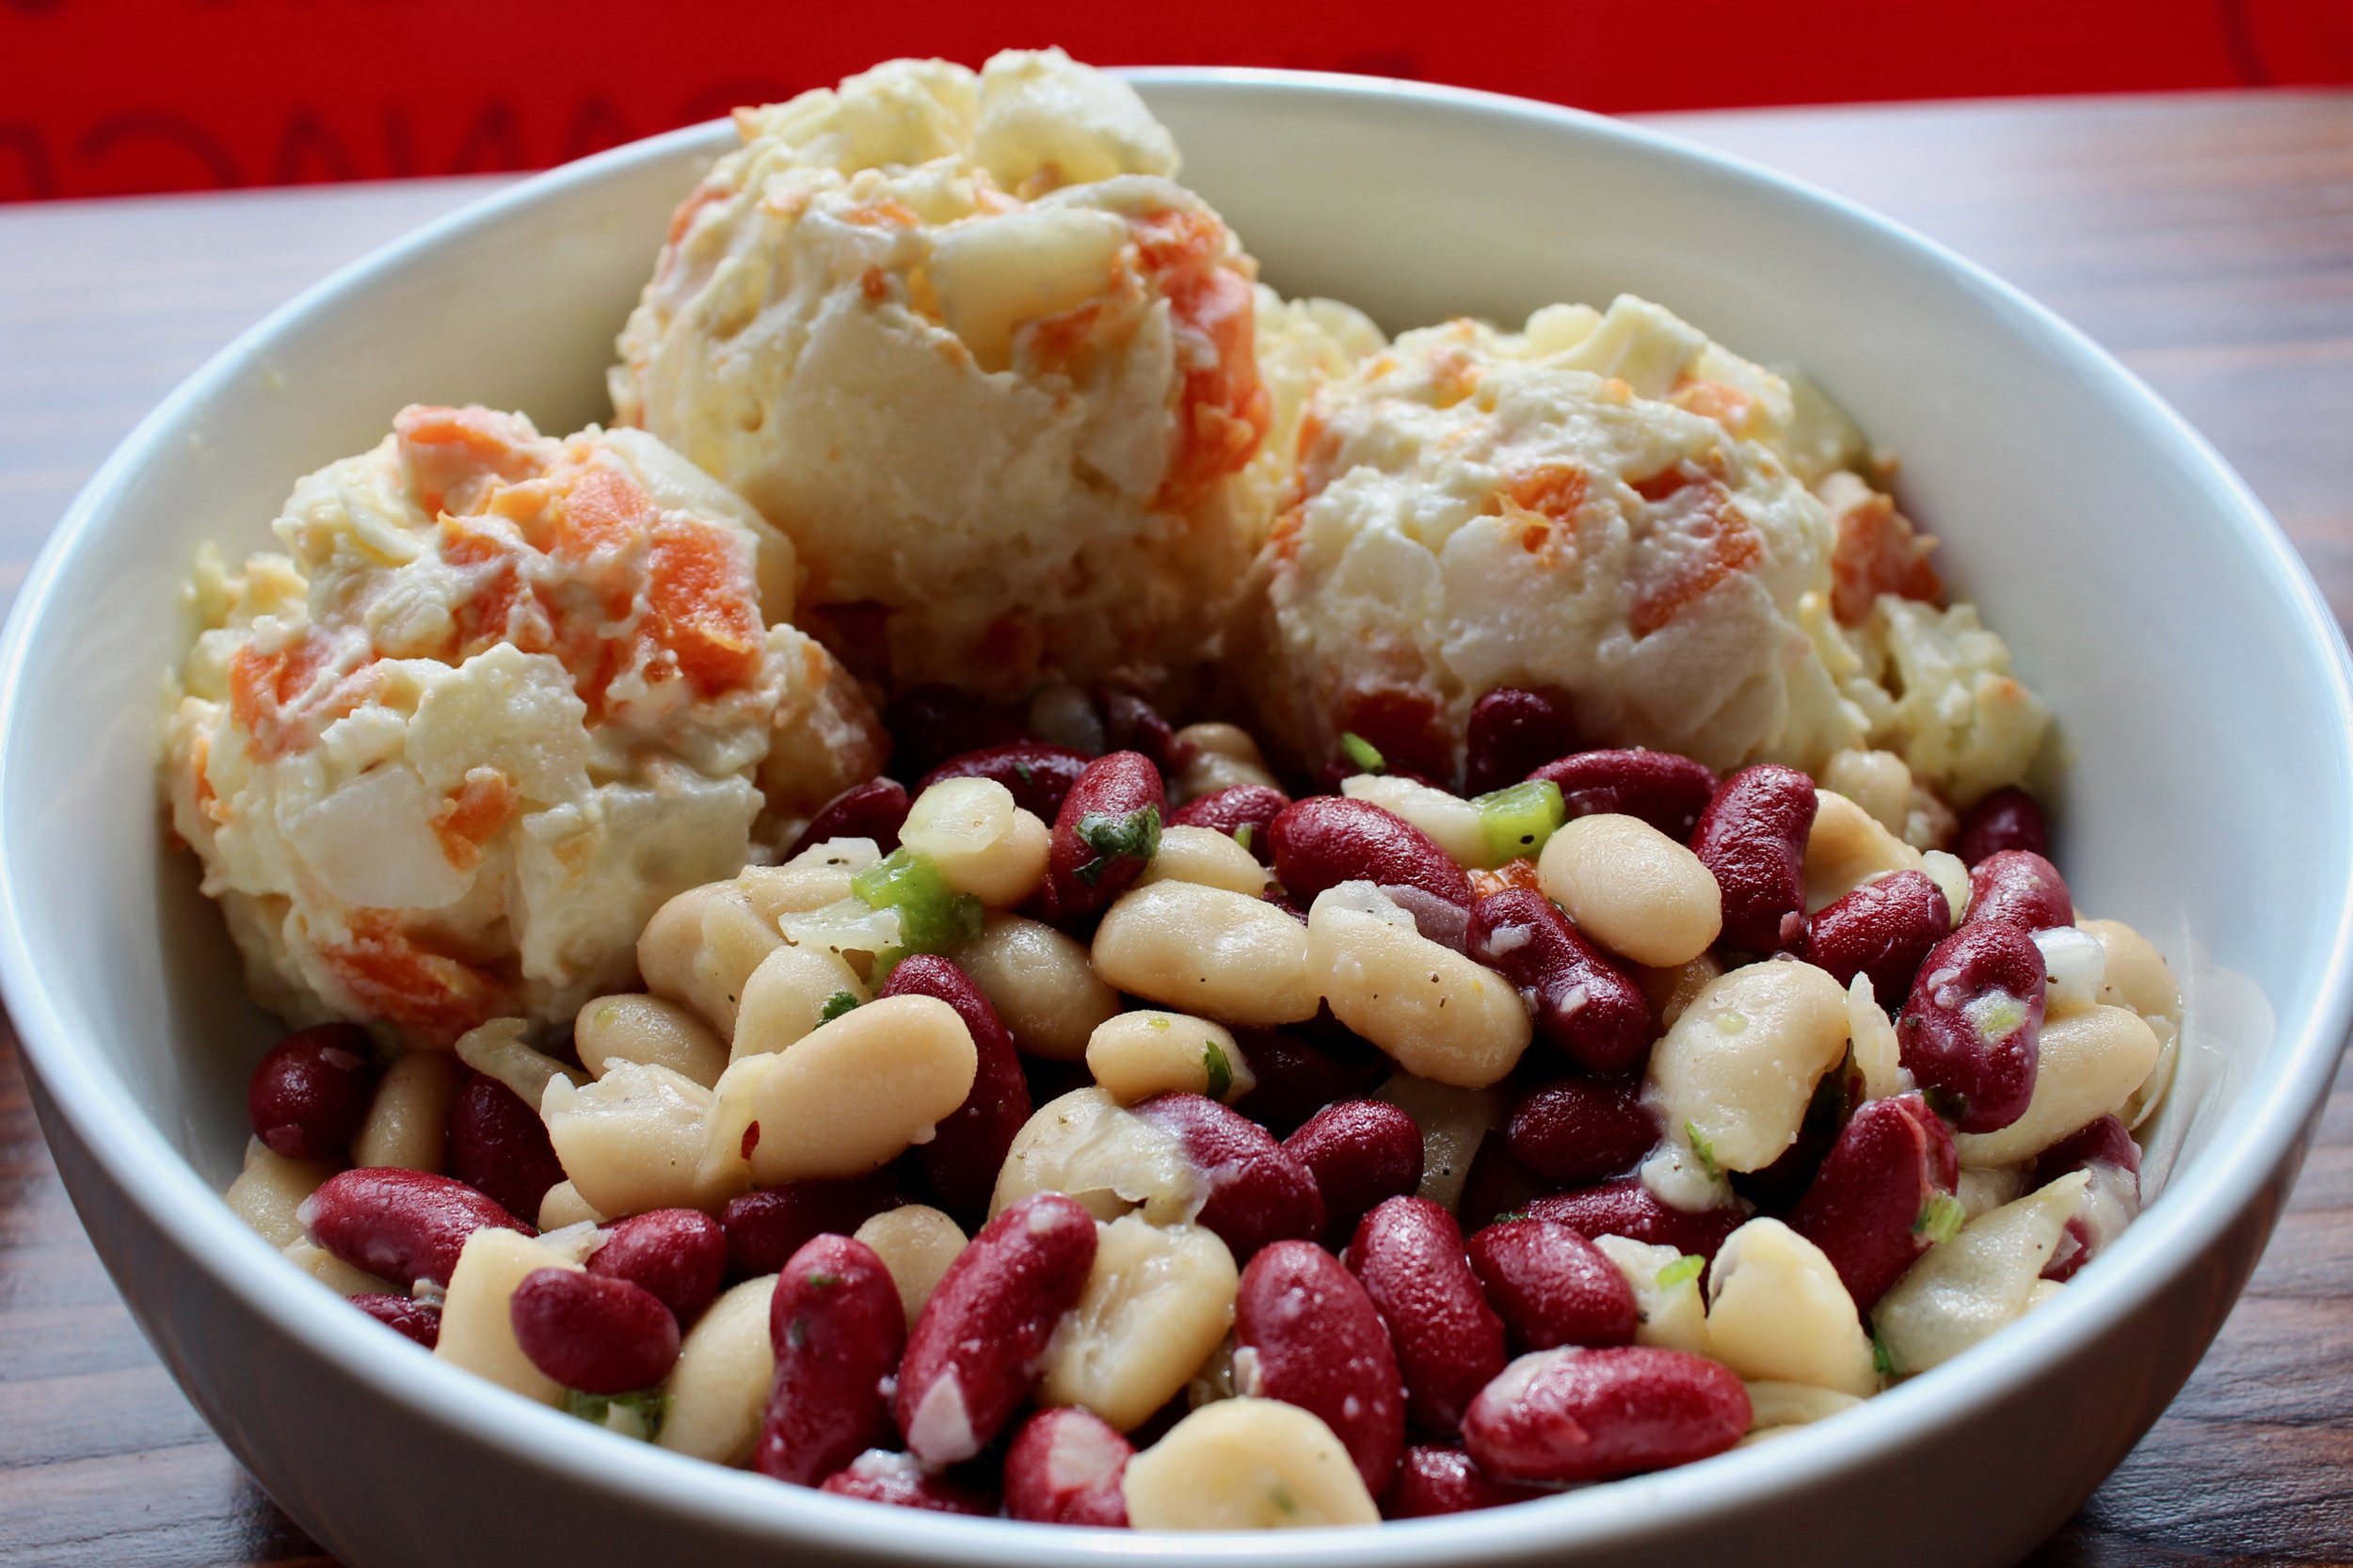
(1871, 1038)
(1951, 877)
(1246, 1464)
(1205, 856)
(817, 1107)
(817, 876)
(497, 1049)
(786, 996)
(1453, 824)
(1978, 1282)
(1042, 983)
(1157, 1305)
(407, 1122)
(1215, 757)
(702, 945)
(1438, 1013)
(1671, 1315)
(1983, 1191)
(1670, 991)
(1776, 1310)
(2072, 961)
(1784, 1406)
(1453, 1121)
(982, 843)
(1878, 782)
(1207, 950)
(634, 1140)
(1087, 1146)
(333, 1272)
(1846, 848)
(715, 1397)
(270, 1188)
(2086, 1066)
(476, 1332)
(1738, 1068)
(2134, 974)
(1633, 890)
(563, 1205)
(916, 1242)
(1137, 1055)
(647, 1030)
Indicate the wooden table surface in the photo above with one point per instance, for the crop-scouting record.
(2208, 240)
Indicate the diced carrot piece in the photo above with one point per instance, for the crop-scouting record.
(482, 804)
(1731, 545)
(431, 997)
(701, 606)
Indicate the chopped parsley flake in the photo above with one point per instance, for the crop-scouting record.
(1134, 836)
(836, 1004)
(1220, 1071)
(1882, 1359)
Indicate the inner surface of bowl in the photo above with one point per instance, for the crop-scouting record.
(2199, 691)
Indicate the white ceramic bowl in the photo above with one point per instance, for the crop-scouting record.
(2200, 682)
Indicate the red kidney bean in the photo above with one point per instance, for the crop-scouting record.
(1571, 1415)
(679, 1255)
(1666, 790)
(2106, 1150)
(1325, 840)
(1359, 1152)
(1312, 1339)
(1107, 831)
(1064, 1468)
(1408, 1254)
(411, 1319)
(400, 1225)
(1296, 1078)
(1870, 1206)
(310, 1092)
(898, 1479)
(1131, 723)
(1586, 1008)
(1970, 1030)
(1882, 929)
(836, 1327)
(960, 1163)
(1437, 920)
(1258, 1193)
(1551, 1286)
(1627, 1207)
(974, 1352)
(2017, 887)
(931, 723)
(1405, 727)
(1039, 775)
(1752, 837)
(1432, 1481)
(1581, 1130)
(1236, 811)
(765, 1229)
(596, 1334)
(876, 809)
(2006, 819)
(1512, 731)
(497, 1142)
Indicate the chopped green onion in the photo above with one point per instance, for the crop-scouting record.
(1507, 1218)
(1158, 1020)
(1686, 1267)
(1220, 1071)
(1882, 1359)
(836, 1004)
(1244, 834)
(933, 916)
(1517, 819)
(1940, 1218)
(1704, 1149)
(1131, 835)
(1363, 753)
(637, 1414)
(1948, 1103)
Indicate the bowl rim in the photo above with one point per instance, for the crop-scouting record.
(2247, 1150)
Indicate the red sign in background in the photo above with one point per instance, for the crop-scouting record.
(101, 98)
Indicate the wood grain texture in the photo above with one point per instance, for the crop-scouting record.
(2207, 240)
